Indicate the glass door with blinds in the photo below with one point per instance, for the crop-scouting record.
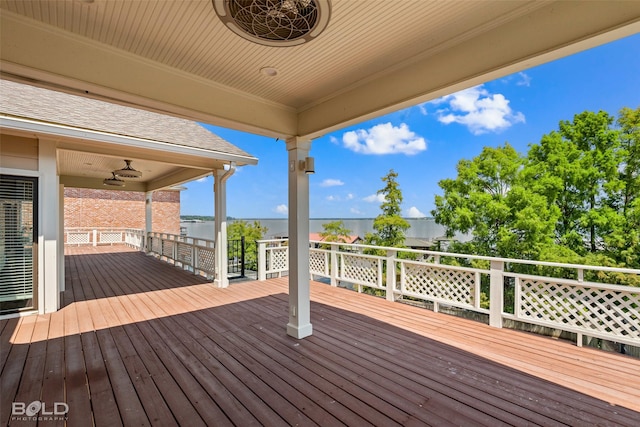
(18, 237)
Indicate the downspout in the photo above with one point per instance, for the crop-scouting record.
(222, 280)
(228, 173)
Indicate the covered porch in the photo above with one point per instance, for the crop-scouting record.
(140, 342)
(50, 141)
(291, 89)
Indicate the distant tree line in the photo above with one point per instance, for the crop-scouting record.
(574, 197)
(201, 218)
(196, 218)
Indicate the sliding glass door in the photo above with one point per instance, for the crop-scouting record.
(18, 239)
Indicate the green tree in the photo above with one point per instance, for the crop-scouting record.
(629, 123)
(335, 231)
(576, 168)
(389, 227)
(490, 200)
(624, 241)
(575, 198)
(251, 233)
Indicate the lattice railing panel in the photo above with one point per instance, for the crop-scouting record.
(277, 259)
(110, 237)
(78, 238)
(167, 248)
(207, 260)
(318, 263)
(185, 253)
(607, 311)
(156, 245)
(443, 283)
(360, 270)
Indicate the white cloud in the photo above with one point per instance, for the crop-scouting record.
(355, 211)
(479, 110)
(203, 179)
(414, 212)
(423, 108)
(282, 209)
(350, 196)
(525, 79)
(331, 198)
(334, 140)
(331, 183)
(375, 198)
(384, 139)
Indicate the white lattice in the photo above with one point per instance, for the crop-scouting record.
(615, 313)
(110, 237)
(78, 238)
(442, 283)
(318, 263)
(185, 253)
(207, 260)
(360, 270)
(277, 259)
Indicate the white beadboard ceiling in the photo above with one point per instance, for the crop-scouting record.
(375, 55)
(91, 165)
(80, 166)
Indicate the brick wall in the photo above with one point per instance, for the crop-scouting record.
(166, 212)
(109, 208)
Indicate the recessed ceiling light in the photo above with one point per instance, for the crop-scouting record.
(269, 71)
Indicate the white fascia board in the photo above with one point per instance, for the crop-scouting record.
(176, 178)
(126, 141)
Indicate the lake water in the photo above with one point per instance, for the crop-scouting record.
(425, 228)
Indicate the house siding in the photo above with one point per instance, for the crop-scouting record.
(18, 153)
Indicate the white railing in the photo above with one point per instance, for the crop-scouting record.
(134, 238)
(192, 254)
(273, 258)
(103, 236)
(594, 309)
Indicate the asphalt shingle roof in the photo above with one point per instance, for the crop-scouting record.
(52, 107)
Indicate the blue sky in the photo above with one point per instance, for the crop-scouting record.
(424, 143)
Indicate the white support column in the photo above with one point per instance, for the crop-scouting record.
(299, 325)
(48, 235)
(148, 218)
(61, 282)
(220, 177)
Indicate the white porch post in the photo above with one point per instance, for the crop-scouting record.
(48, 276)
(220, 177)
(61, 282)
(148, 218)
(299, 325)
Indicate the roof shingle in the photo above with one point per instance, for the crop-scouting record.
(52, 107)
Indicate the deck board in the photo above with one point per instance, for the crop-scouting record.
(140, 342)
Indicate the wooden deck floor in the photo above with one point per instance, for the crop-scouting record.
(140, 342)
